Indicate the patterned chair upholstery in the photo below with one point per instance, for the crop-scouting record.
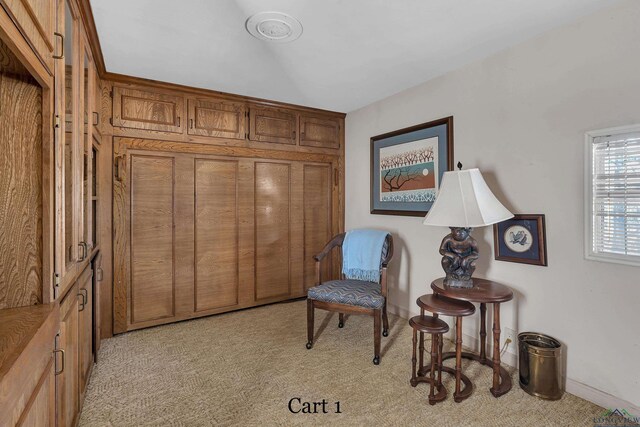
(350, 292)
(351, 296)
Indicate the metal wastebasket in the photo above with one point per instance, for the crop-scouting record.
(541, 365)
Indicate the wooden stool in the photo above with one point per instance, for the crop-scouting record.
(435, 327)
(449, 307)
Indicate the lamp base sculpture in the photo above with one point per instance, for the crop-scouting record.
(459, 254)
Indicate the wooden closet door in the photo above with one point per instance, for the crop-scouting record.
(153, 246)
(272, 218)
(216, 233)
(199, 232)
(317, 218)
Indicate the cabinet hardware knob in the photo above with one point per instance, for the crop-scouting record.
(96, 118)
(119, 164)
(61, 56)
(83, 245)
(81, 308)
(61, 351)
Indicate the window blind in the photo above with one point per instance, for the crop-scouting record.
(616, 195)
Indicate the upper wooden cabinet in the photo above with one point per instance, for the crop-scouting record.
(36, 21)
(320, 132)
(272, 125)
(217, 118)
(140, 109)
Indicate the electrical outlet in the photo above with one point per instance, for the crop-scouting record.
(510, 334)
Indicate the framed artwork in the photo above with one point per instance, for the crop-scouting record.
(521, 239)
(407, 166)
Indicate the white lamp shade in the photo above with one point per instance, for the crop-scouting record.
(465, 200)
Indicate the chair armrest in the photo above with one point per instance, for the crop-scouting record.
(336, 241)
(384, 264)
(383, 281)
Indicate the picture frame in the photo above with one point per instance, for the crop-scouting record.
(521, 239)
(407, 166)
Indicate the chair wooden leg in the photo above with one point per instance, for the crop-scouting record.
(377, 314)
(309, 323)
(385, 321)
(341, 320)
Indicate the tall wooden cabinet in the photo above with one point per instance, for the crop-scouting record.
(48, 86)
(75, 105)
(199, 231)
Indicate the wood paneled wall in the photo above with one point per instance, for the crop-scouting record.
(21, 178)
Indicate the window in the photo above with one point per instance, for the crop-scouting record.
(612, 195)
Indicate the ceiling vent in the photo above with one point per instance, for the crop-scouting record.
(274, 27)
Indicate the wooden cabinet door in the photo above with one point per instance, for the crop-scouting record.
(42, 407)
(153, 244)
(272, 218)
(216, 233)
(319, 132)
(140, 109)
(272, 125)
(85, 329)
(97, 282)
(85, 152)
(317, 190)
(36, 19)
(68, 153)
(67, 380)
(96, 107)
(216, 118)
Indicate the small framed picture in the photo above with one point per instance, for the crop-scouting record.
(407, 166)
(521, 239)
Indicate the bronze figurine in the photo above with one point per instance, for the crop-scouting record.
(459, 254)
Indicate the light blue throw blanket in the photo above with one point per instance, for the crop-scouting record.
(361, 254)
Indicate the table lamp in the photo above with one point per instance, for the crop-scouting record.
(464, 201)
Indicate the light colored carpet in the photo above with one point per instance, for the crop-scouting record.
(242, 368)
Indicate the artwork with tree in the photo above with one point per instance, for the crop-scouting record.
(409, 171)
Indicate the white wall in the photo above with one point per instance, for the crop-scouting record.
(520, 116)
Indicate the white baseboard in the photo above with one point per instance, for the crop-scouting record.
(599, 397)
(510, 358)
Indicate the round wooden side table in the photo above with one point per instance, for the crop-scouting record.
(483, 292)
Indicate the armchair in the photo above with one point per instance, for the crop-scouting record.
(351, 296)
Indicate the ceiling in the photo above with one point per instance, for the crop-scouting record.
(352, 52)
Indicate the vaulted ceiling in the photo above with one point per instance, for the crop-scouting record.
(351, 53)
